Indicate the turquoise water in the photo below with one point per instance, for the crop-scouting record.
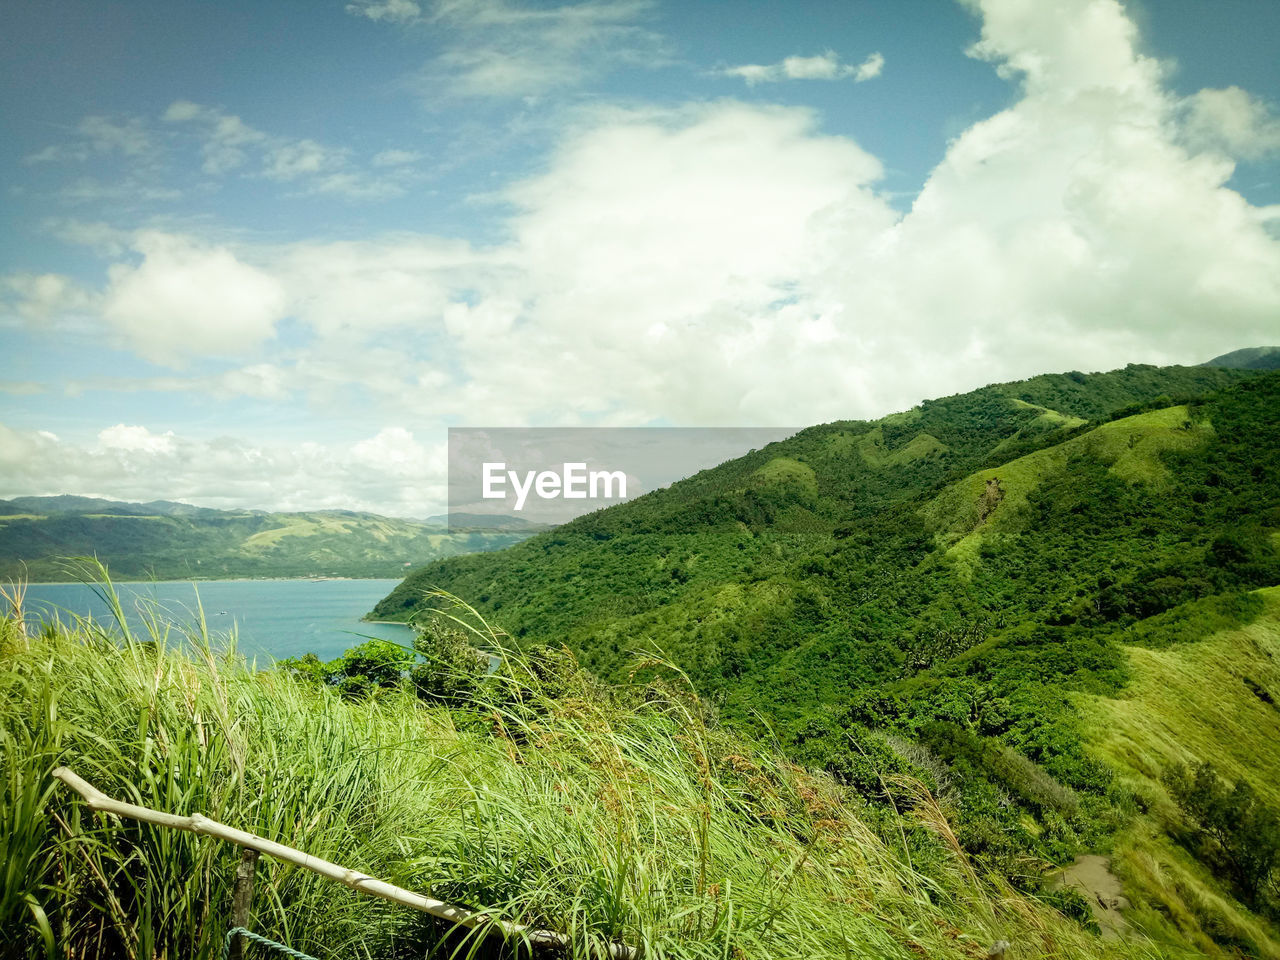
(272, 618)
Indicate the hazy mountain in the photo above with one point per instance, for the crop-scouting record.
(485, 521)
(167, 540)
(1250, 358)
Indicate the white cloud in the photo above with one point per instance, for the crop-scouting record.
(182, 110)
(388, 473)
(229, 144)
(869, 68)
(226, 145)
(99, 236)
(395, 158)
(824, 66)
(45, 296)
(128, 136)
(350, 292)
(98, 135)
(498, 48)
(1074, 225)
(393, 11)
(396, 453)
(135, 439)
(226, 138)
(1232, 121)
(188, 299)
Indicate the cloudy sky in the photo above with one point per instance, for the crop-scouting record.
(264, 254)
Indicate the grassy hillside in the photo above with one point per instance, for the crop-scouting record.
(1190, 701)
(947, 594)
(608, 813)
(732, 522)
(164, 541)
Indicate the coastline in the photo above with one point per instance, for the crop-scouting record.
(115, 580)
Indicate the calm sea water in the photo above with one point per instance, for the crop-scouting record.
(272, 618)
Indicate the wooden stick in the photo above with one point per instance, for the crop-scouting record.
(362, 882)
(242, 898)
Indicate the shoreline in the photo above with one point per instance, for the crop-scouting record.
(117, 580)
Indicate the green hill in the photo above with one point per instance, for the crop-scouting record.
(164, 540)
(1189, 701)
(955, 593)
(1250, 358)
(737, 524)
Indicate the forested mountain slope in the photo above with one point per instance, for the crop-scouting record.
(958, 592)
(831, 487)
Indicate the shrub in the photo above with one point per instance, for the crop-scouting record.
(1229, 829)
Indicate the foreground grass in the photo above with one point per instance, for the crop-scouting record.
(609, 814)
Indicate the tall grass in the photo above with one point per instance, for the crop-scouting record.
(549, 799)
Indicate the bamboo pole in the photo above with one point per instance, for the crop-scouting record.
(242, 898)
(362, 882)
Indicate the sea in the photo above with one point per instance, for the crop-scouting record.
(269, 619)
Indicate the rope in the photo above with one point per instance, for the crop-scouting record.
(270, 944)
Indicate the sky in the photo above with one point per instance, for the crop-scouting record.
(265, 254)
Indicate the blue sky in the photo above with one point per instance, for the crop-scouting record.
(265, 254)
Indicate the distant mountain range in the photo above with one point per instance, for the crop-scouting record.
(486, 521)
(165, 540)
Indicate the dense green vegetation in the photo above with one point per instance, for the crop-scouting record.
(946, 594)
(610, 813)
(174, 541)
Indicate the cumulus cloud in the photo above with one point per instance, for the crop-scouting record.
(1232, 121)
(824, 66)
(1077, 224)
(186, 299)
(389, 473)
(1074, 225)
(352, 292)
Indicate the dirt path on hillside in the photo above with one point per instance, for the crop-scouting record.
(1092, 878)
